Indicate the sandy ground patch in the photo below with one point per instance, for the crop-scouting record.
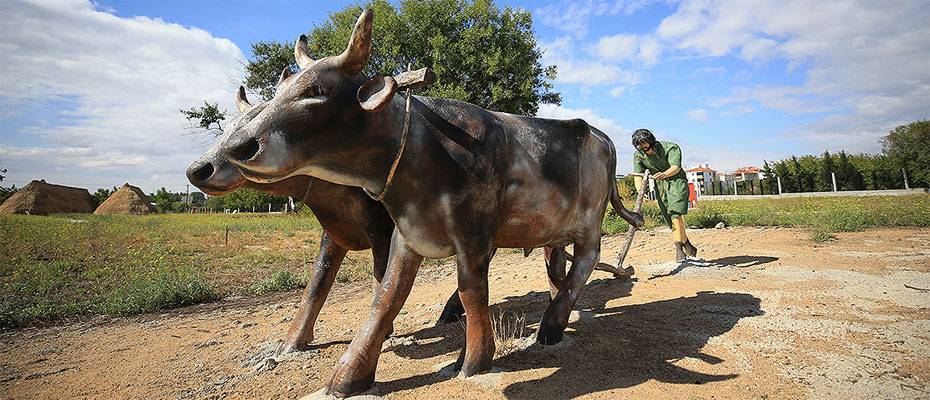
(767, 314)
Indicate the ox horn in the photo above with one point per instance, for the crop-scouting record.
(355, 56)
(285, 73)
(301, 53)
(241, 101)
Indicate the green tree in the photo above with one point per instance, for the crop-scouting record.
(825, 177)
(247, 199)
(770, 181)
(787, 181)
(908, 146)
(216, 202)
(102, 194)
(480, 53)
(166, 201)
(198, 199)
(848, 176)
(205, 119)
(6, 192)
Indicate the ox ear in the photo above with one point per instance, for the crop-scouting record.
(377, 93)
(285, 73)
(242, 103)
(301, 53)
(355, 56)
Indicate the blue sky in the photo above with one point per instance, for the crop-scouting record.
(90, 92)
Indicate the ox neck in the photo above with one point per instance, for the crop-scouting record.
(406, 163)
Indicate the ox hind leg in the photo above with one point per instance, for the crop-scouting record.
(454, 310)
(473, 291)
(328, 261)
(555, 319)
(355, 371)
(555, 258)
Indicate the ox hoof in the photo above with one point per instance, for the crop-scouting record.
(548, 336)
(292, 347)
(448, 317)
(350, 379)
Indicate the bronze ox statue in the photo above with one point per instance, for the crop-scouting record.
(514, 181)
(351, 220)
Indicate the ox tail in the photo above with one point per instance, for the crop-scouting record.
(633, 218)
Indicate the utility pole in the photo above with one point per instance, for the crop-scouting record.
(779, 184)
(833, 174)
(734, 188)
(188, 198)
(906, 185)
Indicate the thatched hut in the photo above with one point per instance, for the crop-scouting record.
(40, 198)
(127, 199)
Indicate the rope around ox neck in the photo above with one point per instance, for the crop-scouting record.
(400, 153)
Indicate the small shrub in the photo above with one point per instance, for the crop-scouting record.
(822, 235)
(279, 281)
(354, 270)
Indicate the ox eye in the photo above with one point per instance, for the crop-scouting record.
(317, 91)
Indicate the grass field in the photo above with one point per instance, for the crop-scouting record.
(71, 265)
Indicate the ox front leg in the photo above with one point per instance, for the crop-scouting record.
(473, 291)
(556, 316)
(355, 371)
(328, 260)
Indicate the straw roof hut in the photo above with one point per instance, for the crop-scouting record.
(127, 200)
(40, 198)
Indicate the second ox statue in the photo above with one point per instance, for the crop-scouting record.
(520, 182)
(351, 220)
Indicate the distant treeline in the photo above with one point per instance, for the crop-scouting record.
(905, 149)
(246, 200)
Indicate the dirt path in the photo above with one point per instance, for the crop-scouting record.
(770, 315)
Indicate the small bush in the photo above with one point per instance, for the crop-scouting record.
(279, 281)
(822, 235)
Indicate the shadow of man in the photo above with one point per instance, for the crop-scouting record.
(616, 347)
(531, 305)
(628, 345)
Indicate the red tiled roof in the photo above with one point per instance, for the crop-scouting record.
(701, 169)
(747, 170)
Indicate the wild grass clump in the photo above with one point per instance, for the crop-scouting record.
(157, 290)
(821, 235)
(508, 330)
(279, 281)
(354, 269)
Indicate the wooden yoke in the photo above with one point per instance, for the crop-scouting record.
(415, 79)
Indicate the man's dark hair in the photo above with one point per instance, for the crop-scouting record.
(643, 136)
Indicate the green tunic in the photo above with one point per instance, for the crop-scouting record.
(673, 191)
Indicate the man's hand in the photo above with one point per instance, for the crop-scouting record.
(660, 176)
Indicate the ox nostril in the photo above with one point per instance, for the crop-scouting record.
(245, 151)
(202, 173)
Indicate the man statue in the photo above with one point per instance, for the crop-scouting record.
(663, 160)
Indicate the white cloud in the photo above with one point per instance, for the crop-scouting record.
(866, 62)
(617, 91)
(574, 68)
(617, 47)
(627, 47)
(699, 115)
(126, 79)
(574, 16)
